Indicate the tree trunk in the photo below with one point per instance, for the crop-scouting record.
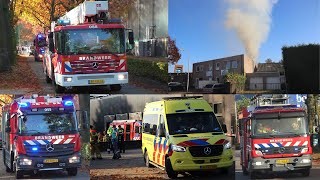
(84, 105)
(310, 106)
(4, 40)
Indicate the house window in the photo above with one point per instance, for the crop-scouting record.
(217, 66)
(197, 68)
(201, 68)
(228, 65)
(234, 64)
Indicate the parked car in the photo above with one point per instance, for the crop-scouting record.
(215, 88)
(176, 86)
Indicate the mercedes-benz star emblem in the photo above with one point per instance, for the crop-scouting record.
(207, 150)
(281, 150)
(49, 147)
(95, 65)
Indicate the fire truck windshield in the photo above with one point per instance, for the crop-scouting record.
(53, 123)
(290, 126)
(42, 42)
(91, 41)
(187, 123)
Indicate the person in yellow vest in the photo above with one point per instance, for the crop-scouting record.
(94, 144)
(121, 139)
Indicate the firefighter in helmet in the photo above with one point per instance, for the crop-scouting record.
(94, 144)
(121, 139)
(262, 129)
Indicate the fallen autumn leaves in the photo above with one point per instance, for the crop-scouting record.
(20, 77)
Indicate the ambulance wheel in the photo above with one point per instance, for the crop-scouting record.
(306, 172)
(146, 160)
(115, 87)
(19, 174)
(170, 172)
(72, 171)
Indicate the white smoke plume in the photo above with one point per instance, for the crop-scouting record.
(251, 20)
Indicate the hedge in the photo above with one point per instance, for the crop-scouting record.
(150, 69)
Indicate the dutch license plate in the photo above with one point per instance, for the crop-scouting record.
(96, 81)
(282, 161)
(208, 167)
(50, 161)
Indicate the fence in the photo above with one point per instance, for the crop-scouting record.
(264, 86)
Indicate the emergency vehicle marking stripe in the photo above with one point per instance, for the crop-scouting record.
(68, 141)
(265, 145)
(287, 144)
(42, 142)
(297, 143)
(257, 146)
(57, 141)
(67, 66)
(30, 142)
(122, 64)
(165, 146)
(305, 143)
(159, 148)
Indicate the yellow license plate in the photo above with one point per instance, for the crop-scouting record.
(50, 161)
(96, 81)
(208, 167)
(282, 161)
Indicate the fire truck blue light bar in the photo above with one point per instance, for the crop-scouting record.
(34, 149)
(24, 104)
(68, 103)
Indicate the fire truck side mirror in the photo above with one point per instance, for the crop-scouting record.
(51, 44)
(224, 128)
(131, 37)
(8, 129)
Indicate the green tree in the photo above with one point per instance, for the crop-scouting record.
(237, 80)
(242, 103)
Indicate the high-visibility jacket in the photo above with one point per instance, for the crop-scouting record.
(110, 129)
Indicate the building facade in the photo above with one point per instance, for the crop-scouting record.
(214, 70)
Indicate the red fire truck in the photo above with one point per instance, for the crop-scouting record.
(86, 48)
(40, 44)
(132, 129)
(275, 138)
(40, 133)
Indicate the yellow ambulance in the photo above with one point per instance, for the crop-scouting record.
(182, 134)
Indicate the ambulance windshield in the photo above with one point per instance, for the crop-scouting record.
(187, 123)
(53, 123)
(292, 126)
(91, 41)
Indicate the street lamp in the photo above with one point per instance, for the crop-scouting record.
(188, 68)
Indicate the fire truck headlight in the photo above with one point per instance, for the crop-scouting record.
(178, 148)
(25, 162)
(74, 159)
(227, 146)
(304, 150)
(259, 153)
(258, 163)
(305, 161)
(122, 77)
(40, 55)
(67, 79)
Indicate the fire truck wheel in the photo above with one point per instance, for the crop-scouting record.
(115, 87)
(72, 171)
(244, 170)
(170, 172)
(19, 174)
(306, 172)
(146, 160)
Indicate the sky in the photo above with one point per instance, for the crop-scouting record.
(200, 32)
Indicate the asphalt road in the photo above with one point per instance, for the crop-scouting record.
(43, 175)
(131, 166)
(315, 173)
(48, 88)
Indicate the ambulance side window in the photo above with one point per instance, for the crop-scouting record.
(150, 122)
(161, 128)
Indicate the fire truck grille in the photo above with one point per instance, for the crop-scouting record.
(206, 151)
(282, 150)
(59, 150)
(93, 66)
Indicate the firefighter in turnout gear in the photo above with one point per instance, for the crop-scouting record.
(121, 139)
(94, 144)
